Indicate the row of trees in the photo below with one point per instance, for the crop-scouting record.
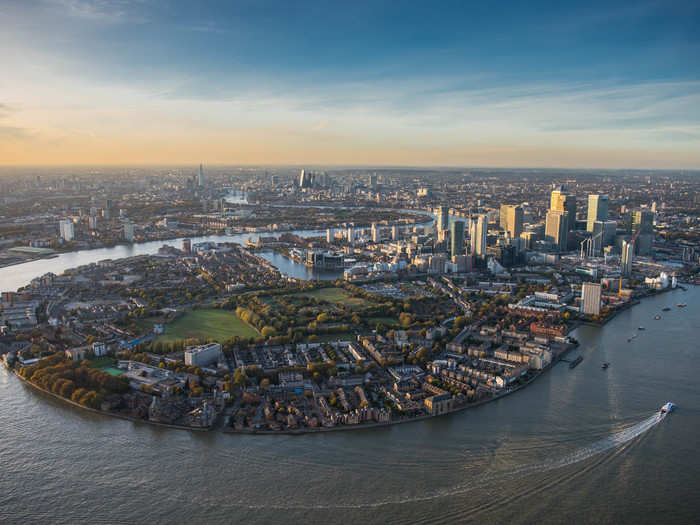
(76, 381)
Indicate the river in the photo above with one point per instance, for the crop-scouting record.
(17, 276)
(582, 445)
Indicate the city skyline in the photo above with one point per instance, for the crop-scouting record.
(579, 86)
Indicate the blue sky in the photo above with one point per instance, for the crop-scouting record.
(427, 83)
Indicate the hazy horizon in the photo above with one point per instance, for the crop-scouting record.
(596, 85)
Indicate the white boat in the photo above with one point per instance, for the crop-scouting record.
(668, 407)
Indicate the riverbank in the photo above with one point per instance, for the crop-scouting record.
(102, 412)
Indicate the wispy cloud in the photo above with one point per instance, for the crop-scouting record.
(100, 10)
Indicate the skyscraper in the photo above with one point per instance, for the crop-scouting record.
(200, 181)
(643, 228)
(128, 231)
(375, 232)
(66, 229)
(561, 200)
(597, 210)
(590, 298)
(457, 238)
(478, 230)
(627, 257)
(512, 219)
(443, 220)
(556, 229)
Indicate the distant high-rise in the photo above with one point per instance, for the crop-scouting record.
(329, 235)
(557, 228)
(603, 234)
(128, 231)
(66, 229)
(597, 210)
(394, 233)
(186, 245)
(643, 228)
(512, 219)
(562, 200)
(478, 230)
(590, 298)
(375, 232)
(457, 238)
(350, 234)
(200, 180)
(627, 258)
(443, 220)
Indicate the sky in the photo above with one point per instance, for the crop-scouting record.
(541, 83)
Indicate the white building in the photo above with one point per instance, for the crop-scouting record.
(203, 355)
(99, 349)
(66, 229)
(590, 298)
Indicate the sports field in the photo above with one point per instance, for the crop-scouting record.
(207, 323)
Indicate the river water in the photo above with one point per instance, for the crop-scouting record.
(14, 277)
(582, 445)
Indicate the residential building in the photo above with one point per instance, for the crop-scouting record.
(590, 298)
(457, 238)
(203, 355)
(66, 229)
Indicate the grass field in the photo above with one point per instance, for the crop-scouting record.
(335, 295)
(207, 323)
(113, 371)
(102, 362)
(389, 322)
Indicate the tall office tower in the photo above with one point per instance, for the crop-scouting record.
(603, 234)
(443, 220)
(349, 235)
(375, 232)
(512, 219)
(561, 200)
(108, 204)
(394, 233)
(373, 180)
(627, 257)
(128, 231)
(556, 229)
(643, 227)
(66, 229)
(478, 230)
(590, 298)
(186, 245)
(200, 180)
(302, 179)
(597, 210)
(457, 238)
(329, 235)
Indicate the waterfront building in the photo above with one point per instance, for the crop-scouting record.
(556, 229)
(627, 258)
(128, 231)
(186, 245)
(457, 238)
(642, 225)
(512, 219)
(597, 210)
(590, 298)
(67, 230)
(203, 355)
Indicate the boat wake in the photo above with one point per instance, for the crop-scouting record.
(613, 441)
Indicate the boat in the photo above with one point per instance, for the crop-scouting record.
(575, 362)
(605, 365)
(668, 407)
(681, 305)
(657, 317)
(640, 328)
(667, 309)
